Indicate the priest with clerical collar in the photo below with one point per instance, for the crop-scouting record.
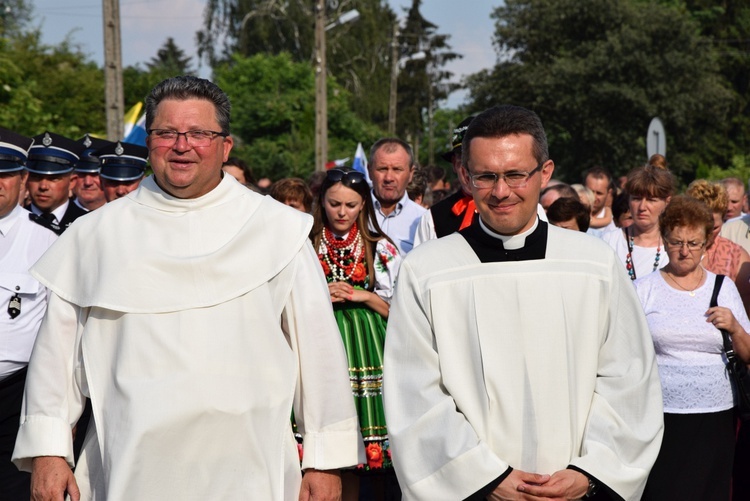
(518, 363)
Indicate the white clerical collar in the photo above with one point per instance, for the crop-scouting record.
(58, 213)
(510, 242)
(7, 221)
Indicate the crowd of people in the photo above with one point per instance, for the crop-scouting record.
(202, 334)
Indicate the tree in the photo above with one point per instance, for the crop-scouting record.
(357, 53)
(274, 118)
(597, 71)
(15, 15)
(422, 83)
(726, 26)
(52, 88)
(170, 60)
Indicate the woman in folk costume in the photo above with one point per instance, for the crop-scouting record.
(360, 263)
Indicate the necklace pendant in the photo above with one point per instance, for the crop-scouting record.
(692, 293)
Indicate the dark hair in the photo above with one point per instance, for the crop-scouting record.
(390, 145)
(434, 174)
(367, 223)
(186, 87)
(620, 205)
(292, 188)
(507, 120)
(598, 172)
(242, 165)
(418, 184)
(686, 211)
(650, 181)
(565, 209)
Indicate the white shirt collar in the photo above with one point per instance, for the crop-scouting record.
(7, 222)
(58, 213)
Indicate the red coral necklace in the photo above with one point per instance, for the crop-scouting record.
(342, 256)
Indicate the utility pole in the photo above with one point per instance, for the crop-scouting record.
(113, 89)
(321, 96)
(394, 82)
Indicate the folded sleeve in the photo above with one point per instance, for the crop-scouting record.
(323, 402)
(53, 400)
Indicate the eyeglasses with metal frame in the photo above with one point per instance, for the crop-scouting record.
(514, 179)
(199, 138)
(678, 244)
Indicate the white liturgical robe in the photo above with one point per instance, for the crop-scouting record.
(194, 326)
(538, 365)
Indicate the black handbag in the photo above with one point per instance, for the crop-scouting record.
(735, 367)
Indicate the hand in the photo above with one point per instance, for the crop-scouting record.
(340, 291)
(562, 485)
(51, 478)
(509, 488)
(722, 318)
(319, 485)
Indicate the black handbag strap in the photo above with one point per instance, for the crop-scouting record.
(728, 348)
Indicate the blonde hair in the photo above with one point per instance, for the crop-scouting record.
(585, 194)
(714, 195)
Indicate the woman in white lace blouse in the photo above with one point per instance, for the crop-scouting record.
(695, 461)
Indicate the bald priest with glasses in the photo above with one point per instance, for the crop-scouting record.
(518, 362)
(195, 316)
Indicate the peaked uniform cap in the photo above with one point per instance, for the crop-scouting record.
(14, 150)
(89, 162)
(122, 161)
(53, 154)
(458, 137)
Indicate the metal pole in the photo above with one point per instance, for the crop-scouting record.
(113, 91)
(321, 96)
(394, 82)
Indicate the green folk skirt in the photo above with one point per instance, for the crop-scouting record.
(363, 333)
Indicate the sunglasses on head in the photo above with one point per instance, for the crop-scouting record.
(350, 177)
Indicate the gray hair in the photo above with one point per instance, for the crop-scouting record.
(389, 145)
(189, 87)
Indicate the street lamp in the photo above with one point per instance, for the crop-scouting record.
(396, 65)
(321, 95)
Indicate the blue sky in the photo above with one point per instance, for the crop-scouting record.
(146, 24)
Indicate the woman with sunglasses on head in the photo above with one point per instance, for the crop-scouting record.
(695, 459)
(360, 263)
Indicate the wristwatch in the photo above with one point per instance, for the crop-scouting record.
(593, 488)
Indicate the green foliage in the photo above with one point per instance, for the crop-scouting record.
(597, 71)
(15, 15)
(357, 53)
(49, 88)
(273, 114)
(421, 83)
(170, 60)
(739, 168)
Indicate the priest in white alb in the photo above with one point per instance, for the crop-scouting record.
(518, 363)
(195, 316)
